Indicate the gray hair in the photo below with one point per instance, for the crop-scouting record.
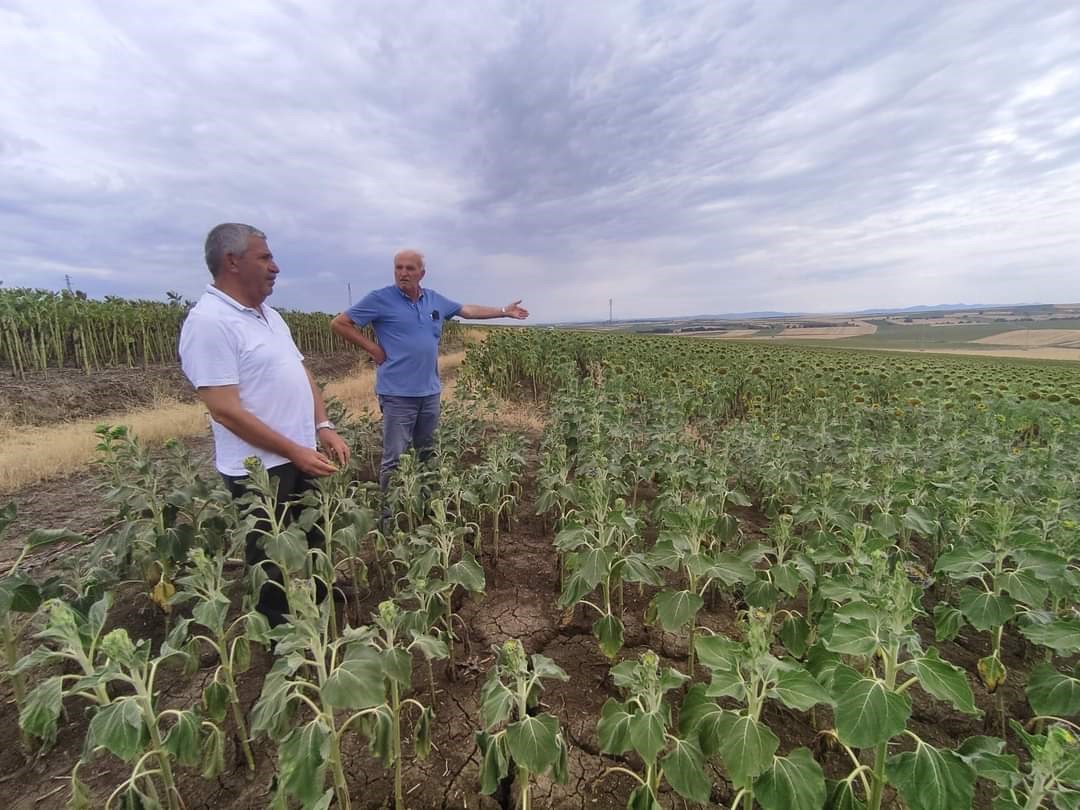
(411, 252)
(229, 237)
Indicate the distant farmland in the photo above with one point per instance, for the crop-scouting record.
(1036, 332)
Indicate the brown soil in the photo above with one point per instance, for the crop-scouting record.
(61, 395)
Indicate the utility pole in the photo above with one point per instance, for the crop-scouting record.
(348, 286)
(67, 281)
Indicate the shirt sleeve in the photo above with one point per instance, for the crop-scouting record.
(208, 353)
(283, 325)
(450, 308)
(365, 310)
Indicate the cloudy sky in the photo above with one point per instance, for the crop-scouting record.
(679, 157)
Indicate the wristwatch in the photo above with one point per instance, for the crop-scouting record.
(324, 426)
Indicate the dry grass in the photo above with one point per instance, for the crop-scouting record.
(1035, 338)
(32, 454)
(829, 332)
(357, 392)
(518, 416)
(29, 455)
(719, 334)
(474, 334)
(1034, 353)
(510, 415)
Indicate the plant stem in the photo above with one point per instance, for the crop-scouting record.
(395, 706)
(523, 775)
(149, 718)
(238, 716)
(18, 686)
(652, 780)
(878, 776)
(889, 657)
(11, 653)
(1038, 792)
(333, 628)
(340, 785)
(693, 629)
(522, 713)
(356, 586)
(1000, 700)
(449, 637)
(690, 662)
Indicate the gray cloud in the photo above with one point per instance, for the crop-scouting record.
(679, 157)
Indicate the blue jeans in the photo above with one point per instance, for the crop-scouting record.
(406, 420)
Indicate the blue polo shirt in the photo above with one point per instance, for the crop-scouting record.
(409, 334)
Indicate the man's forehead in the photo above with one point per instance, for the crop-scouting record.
(257, 243)
(408, 257)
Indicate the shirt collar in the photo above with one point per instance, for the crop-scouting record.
(401, 292)
(232, 302)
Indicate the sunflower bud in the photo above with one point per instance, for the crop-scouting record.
(513, 656)
(61, 616)
(388, 612)
(117, 647)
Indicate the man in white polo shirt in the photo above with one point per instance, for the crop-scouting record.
(240, 356)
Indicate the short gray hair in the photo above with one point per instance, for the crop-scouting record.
(229, 237)
(410, 252)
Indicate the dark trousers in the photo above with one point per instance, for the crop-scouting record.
(291, 483)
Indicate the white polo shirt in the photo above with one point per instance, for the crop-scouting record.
(224, 342)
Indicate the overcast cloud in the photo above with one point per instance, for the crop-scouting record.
(681, 158)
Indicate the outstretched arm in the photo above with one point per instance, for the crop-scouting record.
(475, 312)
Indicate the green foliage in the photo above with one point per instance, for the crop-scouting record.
(166, 509)
(22, 593)
(640, 724)
(362, 672)
(880, 485)
(41, 329)
(132, 727)
(513, 732)
(748, 673)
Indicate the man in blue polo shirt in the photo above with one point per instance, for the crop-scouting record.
(408, 321)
